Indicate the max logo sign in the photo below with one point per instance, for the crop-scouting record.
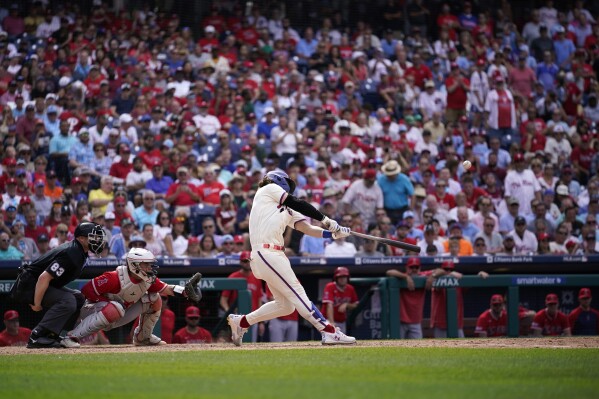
(203, 284)
(446, 282)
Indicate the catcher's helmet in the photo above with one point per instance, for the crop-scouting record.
(138, 256)
(282, 180)
(96, 237)
(341, 272)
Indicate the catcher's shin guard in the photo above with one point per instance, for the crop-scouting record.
(143, 333)
(98, 321)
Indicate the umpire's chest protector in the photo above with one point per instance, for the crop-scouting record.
(130, 292)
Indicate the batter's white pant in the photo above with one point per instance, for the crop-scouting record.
(274, 268)
(283, 330)
(410, 330)
(442, 333)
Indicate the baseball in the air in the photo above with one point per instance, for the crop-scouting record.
(467, 164)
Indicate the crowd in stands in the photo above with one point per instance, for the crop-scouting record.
(128, 119)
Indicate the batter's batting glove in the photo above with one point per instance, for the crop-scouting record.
(330, 225)
(342, 233)
(192, 290)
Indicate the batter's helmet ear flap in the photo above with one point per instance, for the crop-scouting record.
(282, 180)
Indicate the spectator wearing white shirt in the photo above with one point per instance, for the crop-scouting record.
(479, 89)
(526, 242)
(340, 248)
(426, 143)
(522, 183)
(206, 123)
(431, 101)
(557, 147)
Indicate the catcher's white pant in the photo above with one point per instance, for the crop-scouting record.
(273, 267)
(92, 320)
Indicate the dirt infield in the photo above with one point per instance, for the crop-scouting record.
(566, 343)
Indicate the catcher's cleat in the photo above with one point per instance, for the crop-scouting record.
(236, 330)
(337, 338)
(152, 341)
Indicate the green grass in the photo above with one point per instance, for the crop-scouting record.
(372, 372)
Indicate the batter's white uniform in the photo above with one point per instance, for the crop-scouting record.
(268, 221)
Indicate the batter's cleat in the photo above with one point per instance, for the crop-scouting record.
(337, 338)
(236, 330)
(70, 342)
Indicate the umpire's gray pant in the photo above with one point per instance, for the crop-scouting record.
(62, 308)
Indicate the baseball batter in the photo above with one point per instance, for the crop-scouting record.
(273, 210)
(116, 298)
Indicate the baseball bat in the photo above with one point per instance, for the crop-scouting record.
(393, 243)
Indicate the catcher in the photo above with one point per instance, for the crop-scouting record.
(116, 298)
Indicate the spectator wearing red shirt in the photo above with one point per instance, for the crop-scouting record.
(228, 297)
(182, 193)
(448, 21)
(472, 193)
(32, 230)
(209, 41)
(121, 169)
(522, 78)
(492, 322)
(550, 321)
(532, 140)
(457, 94)
(192, 333)
(13, 335)
(582, 157)
(209, 191)
(338, 298)
(445, 200)
(120, 210)
(420, 71)
(411, 301)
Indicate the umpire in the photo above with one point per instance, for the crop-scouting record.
(41, 284)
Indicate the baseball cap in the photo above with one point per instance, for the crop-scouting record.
(10, 162)
(543, 236)
(413, 262)
(408, 214)
(11, 315)
(562, 189)
(182, 169)
(370, 174)
(227, 238)
(43, 238)
(518, 157)
(519, 220)
(40, 183)
(65, 210)
(402, 223)
(25, 200)
(192, 311)
(245, 255)
(109, 216)
(269, 110)
(120, 200)
(551, 298)
(126, 222)
(496, 299)
(11, 208)
(193, 240)
(513, 200)
(448, 264)
(584, 293)
(51, 173)
(238, 239)
(419, 192)
(224, 192)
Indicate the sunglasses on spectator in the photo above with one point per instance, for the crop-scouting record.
(208, 226)
(4, 240)
(62, 231)
(480, 244)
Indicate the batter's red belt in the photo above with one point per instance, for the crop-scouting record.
(273, 246)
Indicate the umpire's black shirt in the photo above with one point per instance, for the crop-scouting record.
(65, 263)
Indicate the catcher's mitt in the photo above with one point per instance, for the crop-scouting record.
(192, 289)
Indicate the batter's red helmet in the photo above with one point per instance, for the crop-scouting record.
(341, 272)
